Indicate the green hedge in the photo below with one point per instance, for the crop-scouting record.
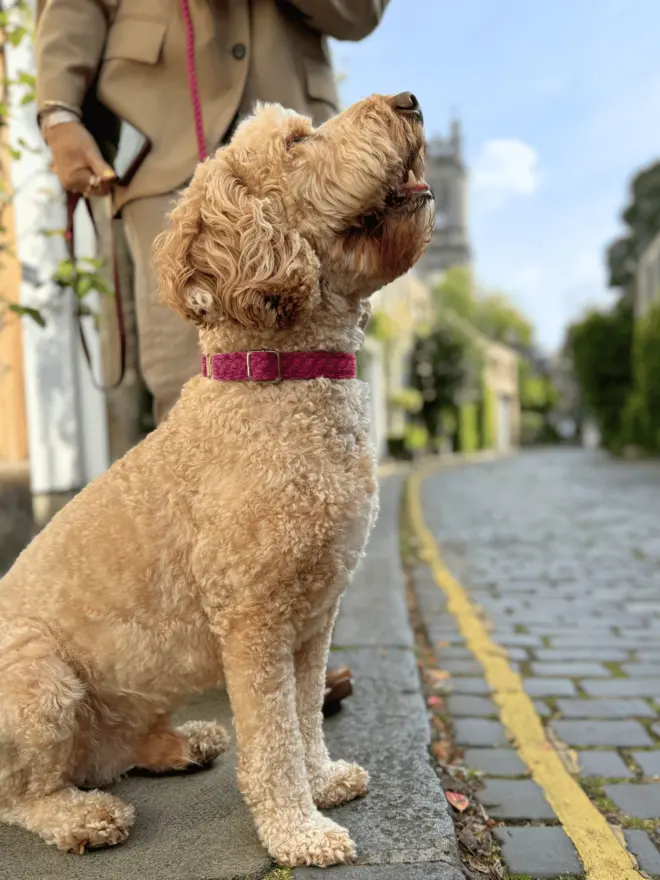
(531, 427)
(601, 347)
(641, 415)
(468, 428)
(416, 437)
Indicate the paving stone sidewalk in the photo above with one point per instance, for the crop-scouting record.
(197, 827)
(561, 550)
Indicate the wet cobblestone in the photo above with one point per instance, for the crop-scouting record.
(560, 549)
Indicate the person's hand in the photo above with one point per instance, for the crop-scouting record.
(77, 160)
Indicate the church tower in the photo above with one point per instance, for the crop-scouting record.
(447, 177)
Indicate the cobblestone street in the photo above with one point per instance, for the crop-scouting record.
(561, 552)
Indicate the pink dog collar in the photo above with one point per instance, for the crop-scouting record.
(278, 366)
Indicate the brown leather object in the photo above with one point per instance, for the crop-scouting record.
(338, 686)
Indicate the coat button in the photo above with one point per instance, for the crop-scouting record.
(239, 51)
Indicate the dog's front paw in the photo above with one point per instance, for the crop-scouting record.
(205, 739)
(341, 783)
(95, 819)
(321, 843)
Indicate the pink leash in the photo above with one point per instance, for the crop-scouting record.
(257, 366)
(193, 86)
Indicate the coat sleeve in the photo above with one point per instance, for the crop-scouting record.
(69, 45)
(341, 19)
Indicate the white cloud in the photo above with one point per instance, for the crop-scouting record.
(506, 168)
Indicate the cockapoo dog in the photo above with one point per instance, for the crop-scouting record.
(216, 552)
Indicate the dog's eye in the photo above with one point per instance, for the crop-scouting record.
(296, 139)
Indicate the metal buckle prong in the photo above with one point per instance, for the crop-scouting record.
(279, 366)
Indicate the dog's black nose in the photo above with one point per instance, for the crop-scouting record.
(406, 102)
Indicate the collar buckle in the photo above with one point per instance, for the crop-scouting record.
(251, 376)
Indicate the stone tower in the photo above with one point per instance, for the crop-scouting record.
(446, 174)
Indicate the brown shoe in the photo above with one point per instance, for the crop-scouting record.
(338, 686)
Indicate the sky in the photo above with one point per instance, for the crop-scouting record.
(560, 105)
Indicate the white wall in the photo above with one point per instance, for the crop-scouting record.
(67, 427)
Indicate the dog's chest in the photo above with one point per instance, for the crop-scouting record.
(338, 563)
(352, 510)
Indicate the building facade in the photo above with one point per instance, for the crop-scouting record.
(501, 377)
(647, 281)
(447, 177)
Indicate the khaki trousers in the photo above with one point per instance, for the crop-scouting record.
(168, 346)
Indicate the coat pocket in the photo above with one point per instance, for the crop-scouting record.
(135, 39)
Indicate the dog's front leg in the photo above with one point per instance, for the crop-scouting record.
(332, 782)
(259, 670)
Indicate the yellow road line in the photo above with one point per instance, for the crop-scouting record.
(602, 854)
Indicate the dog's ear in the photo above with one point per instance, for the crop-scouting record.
(229, 253)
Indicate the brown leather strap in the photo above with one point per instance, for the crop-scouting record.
(72, 200)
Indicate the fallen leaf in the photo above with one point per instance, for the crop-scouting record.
(458, 801)
(441, 751)
(442, 644)
(438, 674)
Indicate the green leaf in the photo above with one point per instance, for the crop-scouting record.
(83, 287)
(26, 146)
(27, 79)
(65, 275)
(16, 35)
(104, 288)
(92, 261)
(26, 311)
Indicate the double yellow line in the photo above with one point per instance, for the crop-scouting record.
(602, 854)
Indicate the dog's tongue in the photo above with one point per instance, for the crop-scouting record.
(412, 185)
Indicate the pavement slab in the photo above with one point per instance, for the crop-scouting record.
(538, 852)
(600, 732)
(515, 799)
(479, 732)
(644, 850)
(637, 801)
(429, 871)
(649, 762)
(609, 765)
(495, 762)
(465, 704)
(604, 708)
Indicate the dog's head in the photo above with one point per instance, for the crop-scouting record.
(286, 211)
